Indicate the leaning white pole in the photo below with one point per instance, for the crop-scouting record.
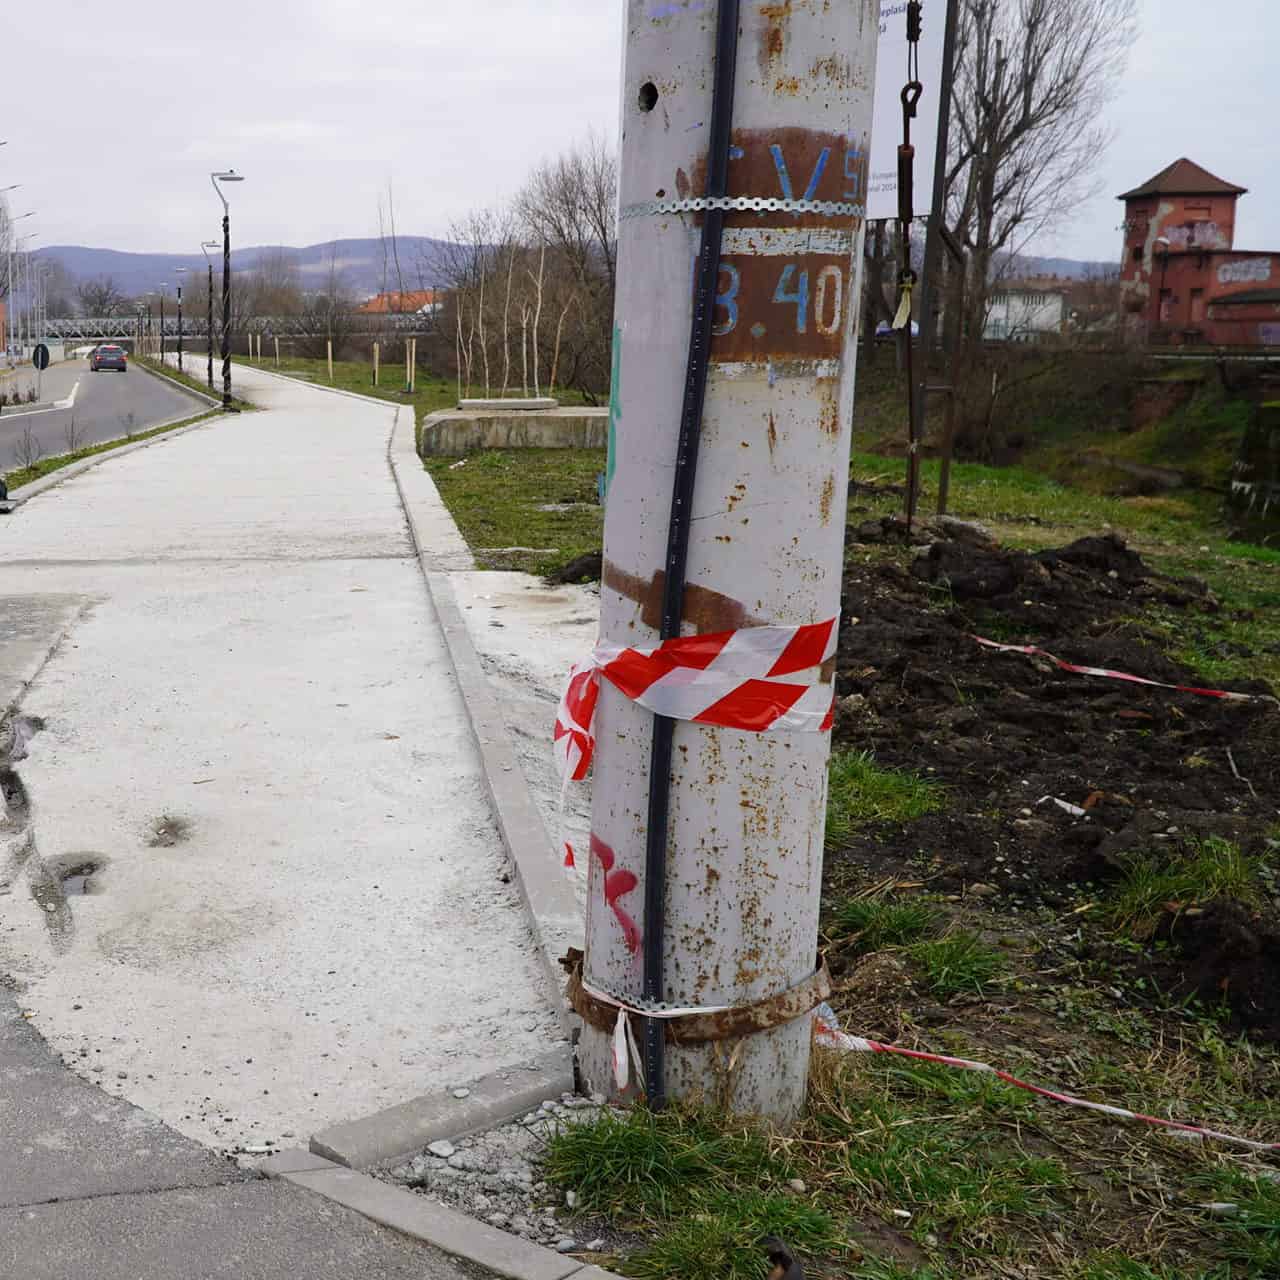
(744, 840)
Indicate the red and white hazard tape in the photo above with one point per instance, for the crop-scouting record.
(827, 1033)
(1033, 651)
(759, 680)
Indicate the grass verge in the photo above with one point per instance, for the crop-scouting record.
(526, 509)
(186, 380)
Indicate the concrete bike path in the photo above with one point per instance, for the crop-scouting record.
(299, 912)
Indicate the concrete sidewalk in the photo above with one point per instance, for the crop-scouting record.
(299, 911)
(91, 1186)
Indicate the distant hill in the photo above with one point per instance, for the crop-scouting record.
(1065, 268)
(359, 262)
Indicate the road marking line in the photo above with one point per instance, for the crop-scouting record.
(70, 401)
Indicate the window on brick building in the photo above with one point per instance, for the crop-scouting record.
(1166, 305)
(1197, 306)
(1137, 253)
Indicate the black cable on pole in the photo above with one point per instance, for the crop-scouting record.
(210, 329)
(226, 310)
(695, 390)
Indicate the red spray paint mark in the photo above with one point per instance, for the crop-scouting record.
(617, 884)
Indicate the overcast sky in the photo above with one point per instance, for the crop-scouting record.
(115, 114)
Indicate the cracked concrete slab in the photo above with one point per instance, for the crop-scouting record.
(63, 1139)
(248, 1231)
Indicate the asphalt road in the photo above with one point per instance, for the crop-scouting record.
(107, 406)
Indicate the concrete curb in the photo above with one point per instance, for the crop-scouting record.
(547, 894)
(405, 1130)
(423, 1219)
(182, 386)
(33, 490)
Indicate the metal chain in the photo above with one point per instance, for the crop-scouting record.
(745, 204)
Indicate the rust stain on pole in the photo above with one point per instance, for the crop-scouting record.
(708, 611)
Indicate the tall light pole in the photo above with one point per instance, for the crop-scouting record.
(24, 273)
(180, 271)
(205, 246)
(728, 470)
(217, 178)
(164, 284)
(8, 320)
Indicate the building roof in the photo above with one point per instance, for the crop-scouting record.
(1183, 178)
(400, 303)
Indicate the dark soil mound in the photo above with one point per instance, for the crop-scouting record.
(1011, 736)
(585, 568)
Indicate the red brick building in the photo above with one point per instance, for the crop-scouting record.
(1183, 281)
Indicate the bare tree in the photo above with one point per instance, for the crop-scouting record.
(326, 312)
(73, 436)
(100, 297)
(1032, 80)
(27, 450)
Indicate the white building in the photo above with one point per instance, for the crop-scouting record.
(1026, 311)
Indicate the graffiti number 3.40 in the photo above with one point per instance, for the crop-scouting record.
(818, 301)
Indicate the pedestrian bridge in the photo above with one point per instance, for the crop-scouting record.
(126, 327)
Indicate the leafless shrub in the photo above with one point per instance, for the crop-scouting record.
(27, 450)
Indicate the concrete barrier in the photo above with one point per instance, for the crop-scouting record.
(456, 431)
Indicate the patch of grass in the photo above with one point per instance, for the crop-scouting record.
(46, 466)
(1250, 1237)
(1195, 874)
(1115, 1266)
(892, 1152)
(878, 923)
(498, 498)
(720, 1238)
(704, 1187)
(958, 964)
(650, 1164)
(861, 792)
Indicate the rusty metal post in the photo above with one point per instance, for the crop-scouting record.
(746, 812)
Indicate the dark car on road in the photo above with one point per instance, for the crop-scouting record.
(109, 356)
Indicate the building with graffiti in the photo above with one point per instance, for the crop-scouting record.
(1183, 281)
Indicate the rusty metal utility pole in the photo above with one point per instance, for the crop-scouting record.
(743, 182)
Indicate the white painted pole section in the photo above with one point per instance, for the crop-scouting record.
(747, 811)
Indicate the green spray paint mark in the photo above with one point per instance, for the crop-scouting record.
(615, 409)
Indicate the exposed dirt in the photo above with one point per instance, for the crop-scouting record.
(1009, 736)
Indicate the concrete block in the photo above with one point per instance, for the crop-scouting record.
(508, 406)
(455, 432)
(406, 1129)
(446, 1229)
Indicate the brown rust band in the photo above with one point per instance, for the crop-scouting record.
(706, 1028)
(708, 611)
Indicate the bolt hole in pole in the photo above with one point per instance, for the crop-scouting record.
(648, 96)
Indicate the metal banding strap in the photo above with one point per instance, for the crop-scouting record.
(745, 204)
(702, 1028)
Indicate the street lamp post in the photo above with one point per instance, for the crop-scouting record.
(181, 271)
(229, 176)
(164, 284)
(205, 246)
